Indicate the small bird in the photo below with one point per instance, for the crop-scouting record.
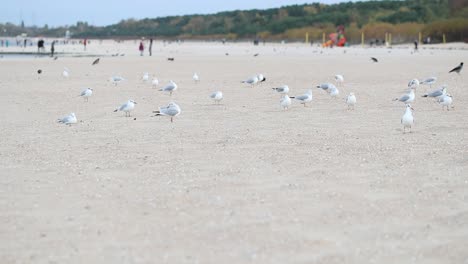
(339, 79)
(217, 96)
(96, 61)
(86, 93)
(445, 101)
(351, 101)
(458, 68)
(282, 89)
(170, 87)
(39, 71)
(172, 110)
(326, 87)
(65, 73)
(261, 78)
(285, 102)
(374, 59)
(437, 93)
(170, 59)
(406, 98)
(413, 83)
(429, 81)
(305, 98)
(195, 77)
(407, 120)
(68, 120)
(256, 54)
(145, 77)
(127, 107)
(116, 80)
(334, 92)
(155, 82)
(55, 58)
(252, 80)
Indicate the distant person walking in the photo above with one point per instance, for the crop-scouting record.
(150, 47)
(40, 45)
(415, 45)
(141, 48)
(52, 49)
(25, 42)
(84, 43)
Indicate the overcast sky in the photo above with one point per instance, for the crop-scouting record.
(106, 12)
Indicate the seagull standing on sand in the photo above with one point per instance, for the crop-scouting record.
(261, 78)
(68, 120)
(437, 93)
(170, 87)
(116, 80)
(65, 73)
(86, 94)
(407, 120)
(429, 81)
(407, 98)
(285, 102)
(217, 96)
(458, 68)
(155, 82)
(282, 89)
(305, 98)
(351, 101)
(252, 80)
(145, 77)
(195, 77)
(326, 87)
(127, 107)
(334, 92)
(445, 101)
(339, 79)
(413, 83)
(172, 110)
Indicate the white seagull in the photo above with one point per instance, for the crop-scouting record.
(334, 92)
(407, 120)
(437, 93)
(429, 81)
(170, 87)
(86, 93)
(155, 82)
(195, 77)
(406, 98)
(65, 73)
(285, 102)
(326, 86)
(68, 120)
(339, 79)
(351, 101)
(127, 107)
(217, 96)
(445, 101)
(172, 110)
(284, 89)
(116, 79)
(252, 80)
(304, 98)
(413, 83)
(145, 77)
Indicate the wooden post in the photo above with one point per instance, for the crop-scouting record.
(420, 37)
(443, 38)
(390, 39)
(386, 38)
(362, 38)
(323, 38)
(307, 37)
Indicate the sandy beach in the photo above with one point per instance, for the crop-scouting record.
(240, 182)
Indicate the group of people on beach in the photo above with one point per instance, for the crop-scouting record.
(141, 47)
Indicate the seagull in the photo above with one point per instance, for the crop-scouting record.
(339, 79)
(334, 92)
(116, 79)
(261, 78)
(145, 77)
(351, 101)
(127, 107)
(282, 89)
(326, 87)
(406, 98)
(96, 61)
(374, 59)
(252, 80)
(172, 110)
(65, 73)
(217, 96)
(437, 93)
(285, 102)
(86, 93)
(305, 98)
(170, 87)
(155, 82)
(407, 120)
(458, 68)
(429, 81)
(445, 101)
(195, 77)
(170, 59)
(413, 83)
(68, 120)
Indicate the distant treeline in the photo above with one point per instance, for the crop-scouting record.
(404, 19)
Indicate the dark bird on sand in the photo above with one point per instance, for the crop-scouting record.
(374, 59)
(170, 59)
(458, 68)
(39, 71)
(96, 61)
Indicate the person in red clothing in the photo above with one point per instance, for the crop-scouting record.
(84, 43)
(141, 48)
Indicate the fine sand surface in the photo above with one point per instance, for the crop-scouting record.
(240, 182)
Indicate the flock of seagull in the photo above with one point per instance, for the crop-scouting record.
(172, 109)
